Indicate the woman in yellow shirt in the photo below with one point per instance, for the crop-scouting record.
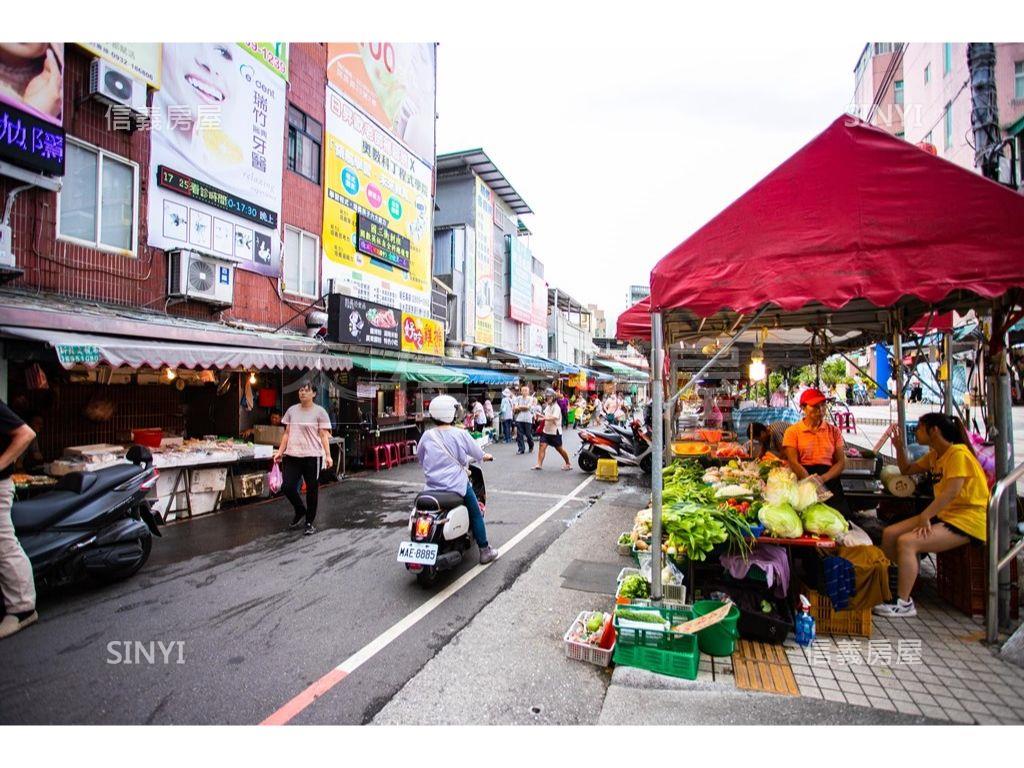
(956, 516)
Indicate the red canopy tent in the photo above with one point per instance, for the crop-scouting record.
(635, 322)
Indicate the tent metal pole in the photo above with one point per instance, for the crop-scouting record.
(947, 355)
(901, 403)
(657, 445)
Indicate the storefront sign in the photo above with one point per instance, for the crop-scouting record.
(366, 391)
(393, 83)
(520, 296)
(422, 335)
(31, 143)
(539, 326)
(377, 199)
(273, 55)
(217, 155)
(381, 243)
(78, 354)
(141, 60)
(32, 79)
(484, 264)
(354, 321)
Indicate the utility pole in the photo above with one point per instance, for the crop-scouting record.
(988, 146)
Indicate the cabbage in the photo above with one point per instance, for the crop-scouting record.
(781, 474)
(780, 492)
(822, 519)
(806, 494)
(781, 520)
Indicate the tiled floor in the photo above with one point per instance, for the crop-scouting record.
(933, 665)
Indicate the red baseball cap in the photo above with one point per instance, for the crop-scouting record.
(812, 397)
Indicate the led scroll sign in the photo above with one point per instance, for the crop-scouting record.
(31, 143)
(381, 243)
(202, 192)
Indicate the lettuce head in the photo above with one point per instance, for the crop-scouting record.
(781, 520)
(824, 520)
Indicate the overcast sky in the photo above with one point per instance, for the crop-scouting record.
(622, 152)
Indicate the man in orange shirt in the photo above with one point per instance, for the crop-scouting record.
(814, 448)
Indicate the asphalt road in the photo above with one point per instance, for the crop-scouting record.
(240, 616)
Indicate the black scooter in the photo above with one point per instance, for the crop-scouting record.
(93, 524)
(630, 446)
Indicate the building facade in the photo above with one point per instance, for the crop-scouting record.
(637, 293)
(570, 329)
(878, 95)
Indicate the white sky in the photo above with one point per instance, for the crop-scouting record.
(624, 152)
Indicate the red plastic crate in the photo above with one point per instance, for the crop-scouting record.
(961, 579)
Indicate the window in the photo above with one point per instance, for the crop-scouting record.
(301, 258)
(947, 130)
(883, 48)
(927, 73)
(1018, 80)
(98, 206)
(305, 136)
(897, 92)
(947, 58)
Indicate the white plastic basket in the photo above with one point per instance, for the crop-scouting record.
(626, 550)
(593, 654)
(672, 593)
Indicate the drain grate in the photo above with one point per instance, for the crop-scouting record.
(763, 667)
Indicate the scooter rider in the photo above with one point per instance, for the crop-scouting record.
(444, 452)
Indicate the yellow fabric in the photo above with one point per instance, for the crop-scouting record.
(870, 576)
(968, 510)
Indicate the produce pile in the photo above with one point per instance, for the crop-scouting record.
(591, 630)
(793, 507)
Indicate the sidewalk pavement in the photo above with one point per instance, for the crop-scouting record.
(508, 665)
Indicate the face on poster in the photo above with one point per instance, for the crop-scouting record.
(32, 79)
(378, 212)
(484, 264)
(217, 149)
(394, 83)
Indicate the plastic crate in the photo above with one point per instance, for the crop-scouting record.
(600, 654)
(662, 651)
(607, 469)
(626, 550)
(828, 621)
(961, 579)
(672, 593)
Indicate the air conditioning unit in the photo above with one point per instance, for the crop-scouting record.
(6, 246)
(112, 86)
(200, 277)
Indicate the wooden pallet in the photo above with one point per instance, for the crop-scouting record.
(763, 667)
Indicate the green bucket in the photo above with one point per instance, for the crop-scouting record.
(720, 639)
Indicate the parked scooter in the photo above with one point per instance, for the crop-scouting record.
(439, 532)
(93, 524)
(630, 446)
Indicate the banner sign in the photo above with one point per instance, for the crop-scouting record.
(354, 321)
(484, 263)
(31, 143)
(378, 212)
(273, 55)
(217, 155)
(141, 60)
(32, 78)
(393, 83)
(520, 300)
(422, 335)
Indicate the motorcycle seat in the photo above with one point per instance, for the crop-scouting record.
(430, 501)
(74, 490)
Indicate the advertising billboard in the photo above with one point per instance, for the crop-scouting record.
(393, 83)
(484, 329)
(140, 60)
(273, 55)
(30, 142)
(378, 212)
(354, 321)
(539, 324)
(217, 155)
(520, 293)
(422, 335)
(32, 79)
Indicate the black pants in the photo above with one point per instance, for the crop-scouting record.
(524, 434)
(838, 500)
(295, 469)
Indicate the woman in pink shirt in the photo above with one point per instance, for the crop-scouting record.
(303, 447)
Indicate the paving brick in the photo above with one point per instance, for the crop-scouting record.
(899, 694)
(976, 707)
(860, 701)
(879, 703)
(828, 684)
(960, 716)
(874, 690)
(907, 708)
(963, 694)
(948, 703)
(914, 685)
(803, 680)
(937, 713)
(831, 695)
(811, 693)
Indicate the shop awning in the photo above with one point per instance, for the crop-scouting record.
(91, 350)
(484, 376)
(409, 370)
(623, 372)
(599, 375)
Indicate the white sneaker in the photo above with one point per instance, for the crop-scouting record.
(11, 624)
(902, 609)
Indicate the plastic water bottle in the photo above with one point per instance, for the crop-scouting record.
(805, 631)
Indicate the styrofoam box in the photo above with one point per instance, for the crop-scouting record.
(206, 480)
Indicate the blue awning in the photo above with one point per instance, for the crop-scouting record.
(591, 373)
(484, 376)
(540, 363)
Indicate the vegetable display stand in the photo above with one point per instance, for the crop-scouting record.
(607, 469)
(656, 650)
(600, 654)
(718, 639)
(829, 621)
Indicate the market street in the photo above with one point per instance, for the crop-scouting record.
(262, 613)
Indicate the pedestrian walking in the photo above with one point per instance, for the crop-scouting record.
(489, 412)
(505, 410)
(551, 433)
(303, 448)
(563, 406)
(523, 408)
(479, 416)
(16, 581)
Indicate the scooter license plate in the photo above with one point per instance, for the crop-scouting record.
(417, 552)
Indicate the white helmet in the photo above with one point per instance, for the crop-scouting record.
(443, 409)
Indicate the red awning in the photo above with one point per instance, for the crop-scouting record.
(635, 322)
(857, 213)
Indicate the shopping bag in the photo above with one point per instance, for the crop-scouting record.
(274, 479)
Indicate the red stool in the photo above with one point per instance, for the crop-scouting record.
(411, 447)
(394, 455)
(380, 457)
(846, 422)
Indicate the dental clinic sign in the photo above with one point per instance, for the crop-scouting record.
(31, 143)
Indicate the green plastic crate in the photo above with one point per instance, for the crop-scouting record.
(660, 651)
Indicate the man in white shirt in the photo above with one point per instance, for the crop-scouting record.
(523, 408)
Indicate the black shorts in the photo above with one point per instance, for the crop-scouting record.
(555, 441)
(954, 529)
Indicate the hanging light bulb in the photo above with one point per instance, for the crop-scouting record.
(171, 374)
(252, 377)
(757, 370)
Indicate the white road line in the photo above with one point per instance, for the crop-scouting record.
(492, 491)
(300, 702)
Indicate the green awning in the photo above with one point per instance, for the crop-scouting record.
(623, 372)
(408, 370)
